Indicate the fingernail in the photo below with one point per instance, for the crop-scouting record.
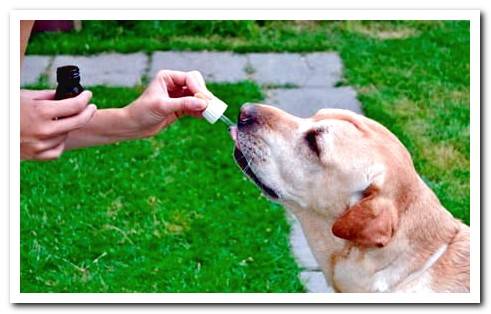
(199, 104)
(201, 95)
(87, 92)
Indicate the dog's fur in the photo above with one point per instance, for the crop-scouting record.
(372, 223)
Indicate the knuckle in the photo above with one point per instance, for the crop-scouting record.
(161, 73)
(58, 154)
(48, 157)
(81, 120)
(85, 120)
(60, 151)
(36, 106)
(156, 105)
(37, 147)
(187, 102)
(79, 103)
(195, 74)
(41, 110)
(88, 113)
(44, 131)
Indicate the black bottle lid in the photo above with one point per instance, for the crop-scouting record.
(68, 74)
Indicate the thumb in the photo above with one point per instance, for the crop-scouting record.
(187, 105)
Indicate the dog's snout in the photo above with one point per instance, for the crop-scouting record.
(247, 115)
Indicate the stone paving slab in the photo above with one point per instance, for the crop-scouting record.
(32, 68)
(315, 282)
(325, 69)
(317, 70)
(304, 102)
(111, 69)
(215, 66)
(312, 70)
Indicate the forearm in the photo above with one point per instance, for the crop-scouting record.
(25, 32)
(106, 127)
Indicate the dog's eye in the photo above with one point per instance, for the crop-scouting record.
(311, 139)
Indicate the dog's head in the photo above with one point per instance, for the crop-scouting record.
(337, 163)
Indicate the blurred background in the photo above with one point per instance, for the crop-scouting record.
(173, 213)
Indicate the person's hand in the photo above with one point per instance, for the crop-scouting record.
(169, 96)
(45, 123)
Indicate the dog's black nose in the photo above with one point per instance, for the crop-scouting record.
(247, 115)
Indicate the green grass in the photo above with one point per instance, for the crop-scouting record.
(171, 213)
(239, 36)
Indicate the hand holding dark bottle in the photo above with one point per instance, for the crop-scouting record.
(45, 122)
(47, 117)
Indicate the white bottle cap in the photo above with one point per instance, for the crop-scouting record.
(215, 110)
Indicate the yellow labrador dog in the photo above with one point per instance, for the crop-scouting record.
(372, 223)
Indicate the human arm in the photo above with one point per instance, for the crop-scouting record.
(169, 96)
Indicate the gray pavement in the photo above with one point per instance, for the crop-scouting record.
(33, 68)
(111, 69)
(310, 70)
(215, 66)
(306, 101)
(298, 83)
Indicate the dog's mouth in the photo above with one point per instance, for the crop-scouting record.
(244, 165)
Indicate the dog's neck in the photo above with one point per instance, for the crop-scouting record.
(419, 226)
(317, 229)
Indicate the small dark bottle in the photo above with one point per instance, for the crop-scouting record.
(68, 78)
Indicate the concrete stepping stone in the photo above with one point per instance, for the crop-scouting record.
(304, 102)
(313, 70)
(325, 69)
(314, 282)
(111, 69)
(215, 66)
(32, 69)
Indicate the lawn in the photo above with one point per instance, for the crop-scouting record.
(171, 213)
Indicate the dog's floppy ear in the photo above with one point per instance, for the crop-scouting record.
(369, 223)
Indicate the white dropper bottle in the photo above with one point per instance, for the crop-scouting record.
(215, 110)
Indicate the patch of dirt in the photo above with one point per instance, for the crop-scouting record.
(383, 31)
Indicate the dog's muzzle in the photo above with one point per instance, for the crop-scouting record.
(248, 119)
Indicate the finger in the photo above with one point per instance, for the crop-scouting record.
(48, 143)
(183, 105)
(196, 83)
(47, 94)
(75, 122)
(52, 153)
(166, 80)
(176, 80)
(67, 107)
